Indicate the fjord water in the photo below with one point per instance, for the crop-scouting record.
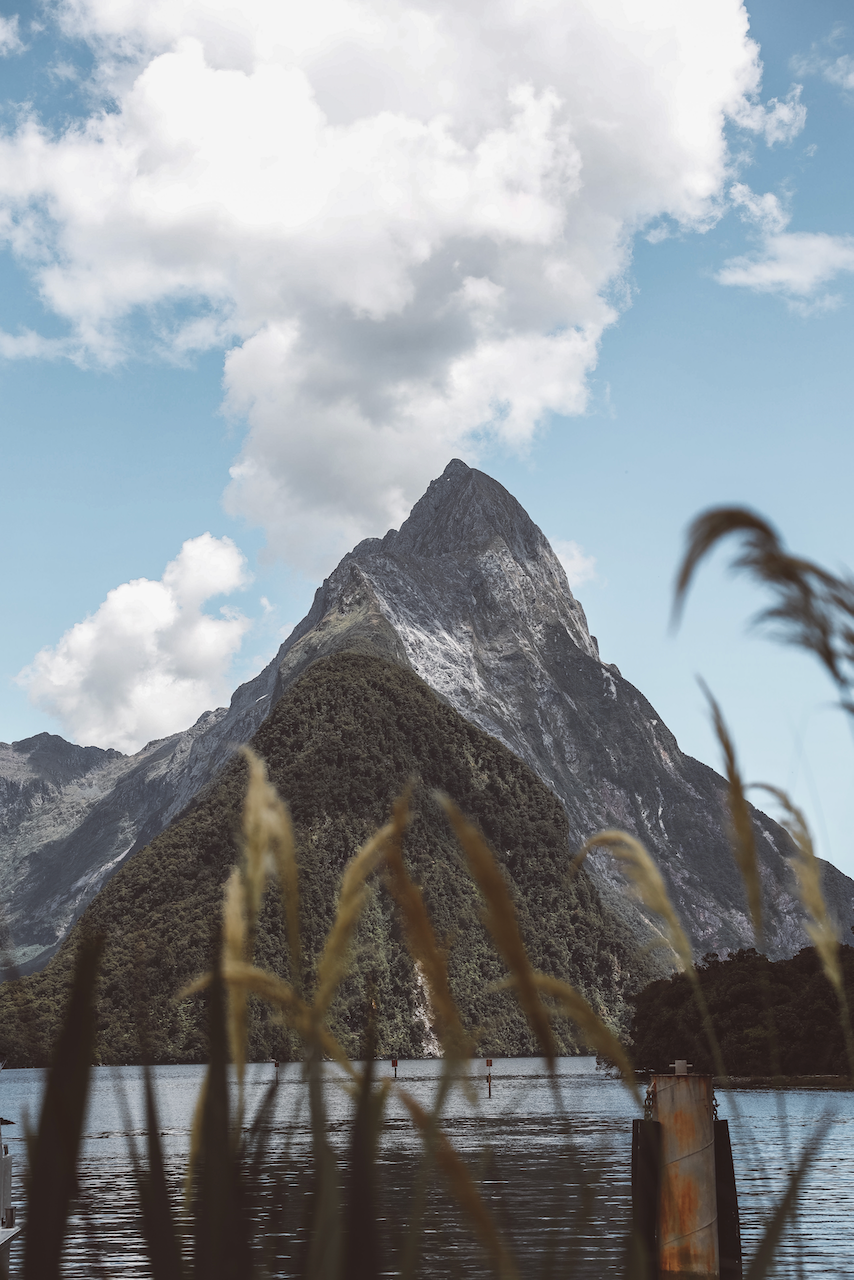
(555, 1168)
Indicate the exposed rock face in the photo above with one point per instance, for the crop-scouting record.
(482, 609)
(470, 595)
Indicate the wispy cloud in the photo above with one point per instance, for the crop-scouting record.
(795, 265)
(779, 120)
(822, 59)
(28, 344)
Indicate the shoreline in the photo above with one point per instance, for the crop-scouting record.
(835, 1083)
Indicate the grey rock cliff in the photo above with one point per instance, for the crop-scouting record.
(483, 611)
(470, 595)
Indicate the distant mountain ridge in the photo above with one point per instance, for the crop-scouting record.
(469, 594)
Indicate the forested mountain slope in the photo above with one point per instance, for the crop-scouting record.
(340, 745)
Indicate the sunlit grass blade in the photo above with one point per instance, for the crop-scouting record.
(652, 892)
(711, 527)
(743, 844)
(282, 996)
(741, 823)
(813, 609)
(421, 941)
(256, 834)
(501, 921)
(234, 950)
(820, 928)
(53, 1151)
(351, 899)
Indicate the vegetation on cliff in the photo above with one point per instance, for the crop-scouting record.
(340, 745)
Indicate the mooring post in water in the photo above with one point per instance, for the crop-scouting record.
(8, 1227)
(683, 1105)
(684, 1202)
(489, 1075)
(7, 1209)
(394, 1064)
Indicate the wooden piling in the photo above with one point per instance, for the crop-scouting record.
(9, 1228)
(688, 1219)
(646, 1196)
(729, 1228)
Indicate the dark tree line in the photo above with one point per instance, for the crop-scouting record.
(770, 1017)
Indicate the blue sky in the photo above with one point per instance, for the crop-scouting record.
(160, 328)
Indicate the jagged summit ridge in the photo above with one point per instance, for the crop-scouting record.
(467, 518)
(461, 514)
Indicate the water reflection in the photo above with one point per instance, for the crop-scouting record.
(554, 1166)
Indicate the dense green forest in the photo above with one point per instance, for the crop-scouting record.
(770, 1017)
(340, 745)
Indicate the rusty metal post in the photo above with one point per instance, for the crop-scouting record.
(688, 1216)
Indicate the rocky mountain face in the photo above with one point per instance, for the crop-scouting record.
(479, 603)
(469, 594)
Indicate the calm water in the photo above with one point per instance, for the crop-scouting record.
(558, 1182)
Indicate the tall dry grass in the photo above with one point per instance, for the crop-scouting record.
(220, 1149)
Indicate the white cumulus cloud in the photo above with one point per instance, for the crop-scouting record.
(149, 661)
(795, 264)
(407, 223)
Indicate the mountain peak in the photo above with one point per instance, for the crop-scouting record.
(50, 746)
(461, 513)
